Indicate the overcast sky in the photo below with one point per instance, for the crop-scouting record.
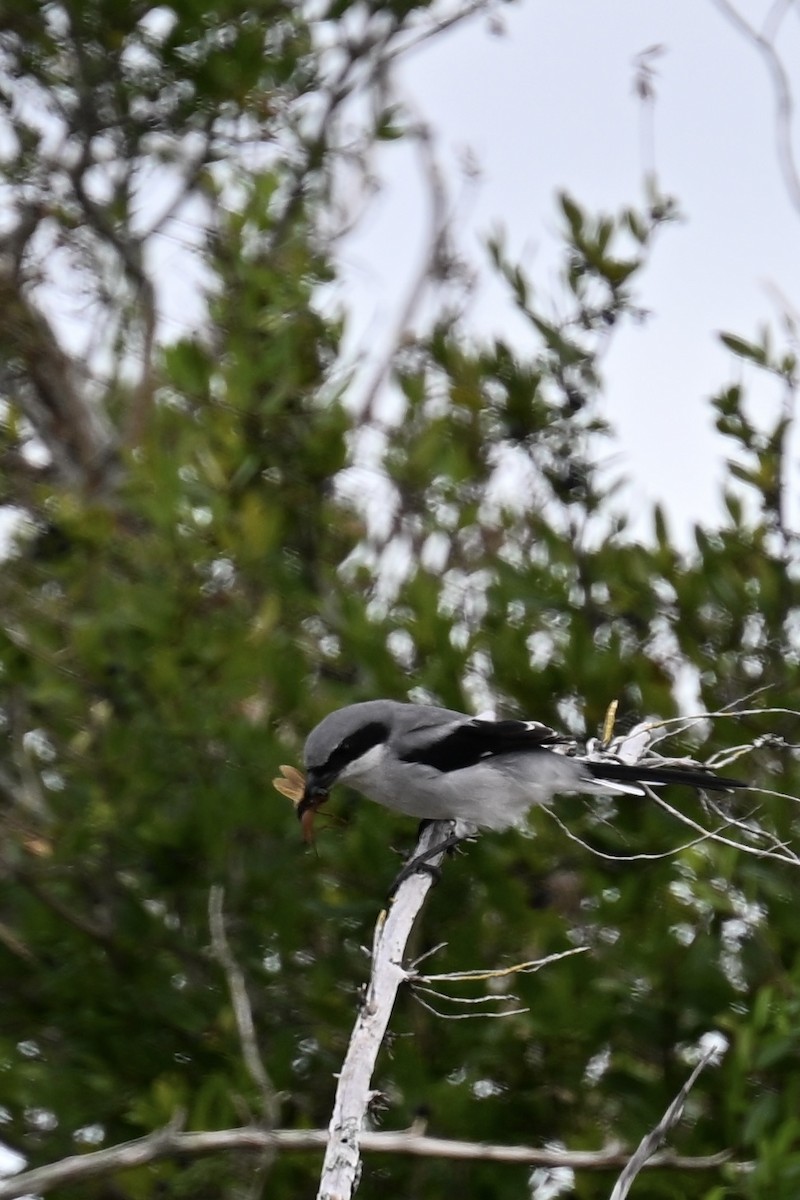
(549, 106)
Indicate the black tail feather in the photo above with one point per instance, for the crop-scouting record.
(690, 776)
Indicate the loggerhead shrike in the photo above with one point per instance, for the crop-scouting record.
(439, 765)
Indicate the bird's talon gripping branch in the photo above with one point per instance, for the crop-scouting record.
(416, 865)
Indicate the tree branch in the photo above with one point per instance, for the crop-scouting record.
(241, 1007)
(651, 1141)
(429, 269)
(341, 1167)
(128, 247)
(50, 391)
(763, 40)
(170, 1142)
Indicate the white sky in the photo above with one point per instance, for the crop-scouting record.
(550, 105)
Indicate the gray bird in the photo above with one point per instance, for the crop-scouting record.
(440, 765)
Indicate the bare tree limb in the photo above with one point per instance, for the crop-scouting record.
(52, 395)
(129, 250)
(170, 1142)
(241, 1007)
(764, 42)
(434, 254)
(342, 1165)
(781, 854)
(651, 1142)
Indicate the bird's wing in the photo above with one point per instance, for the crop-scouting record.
(464, 743)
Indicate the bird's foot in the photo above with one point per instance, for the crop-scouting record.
(421, 862)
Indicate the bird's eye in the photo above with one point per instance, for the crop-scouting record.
(358, 743)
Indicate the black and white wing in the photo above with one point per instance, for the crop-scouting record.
(459, 744)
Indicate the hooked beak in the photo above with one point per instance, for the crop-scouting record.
(315, 793)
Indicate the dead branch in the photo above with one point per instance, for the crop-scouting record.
(429, 269)
(243, 1013)
(764, 41)
(424, 984)
(738, 831)
(342, 1164)
(171, 1142)
(129, 252)
(778, 853)
(50, 391)
(655, 1138)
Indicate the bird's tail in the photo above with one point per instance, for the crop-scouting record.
(688, 776)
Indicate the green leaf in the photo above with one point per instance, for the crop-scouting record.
(744, 349)
(573, 214)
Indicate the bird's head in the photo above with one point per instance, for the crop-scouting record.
(336, 749)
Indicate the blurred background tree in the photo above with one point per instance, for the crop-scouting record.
(191, 585)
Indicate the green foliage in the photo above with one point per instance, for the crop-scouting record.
(171, 633)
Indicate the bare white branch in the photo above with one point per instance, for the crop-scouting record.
(642, 857)
(342, 1156)
(170, 1142)
(655, 1138)
(764, 41)
(471, 1016)
(240, 1000)
(525, 968)
(740, 831)
(778, 855)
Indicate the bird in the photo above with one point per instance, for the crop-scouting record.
(437, 764)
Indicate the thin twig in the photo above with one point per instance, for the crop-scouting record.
(784, 101)
(445, 1016)
(525, 968)
(686, 723)
(427, 954)
(422, 279)
(644, 857)
(655, 1138)
(791, 859)
(404, 49)
(504, 997)
(242, 1010)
